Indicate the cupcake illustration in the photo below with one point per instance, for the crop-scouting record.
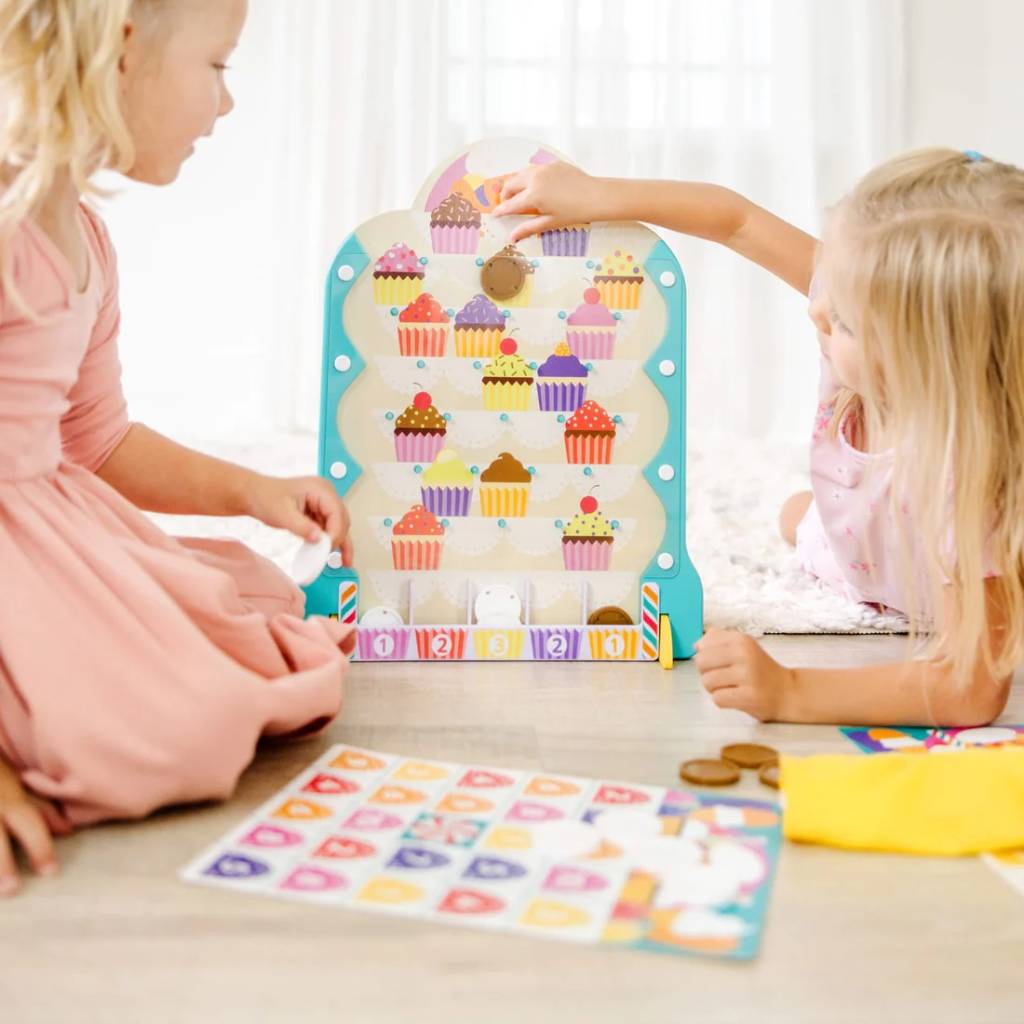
(417, 540)
(561, 382)
(618, 279)
(507, 380)
(589, 435)
(422, 327)
(455, 226)
(447, 485)
(419, 431)
(572, 240)
(591, 328)
(397, 276)
(507, 277)
(478, 328)
(587, 539)
(504, 487)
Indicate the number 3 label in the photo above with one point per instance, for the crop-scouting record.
(497, 647)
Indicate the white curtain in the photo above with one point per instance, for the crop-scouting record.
(344, 107)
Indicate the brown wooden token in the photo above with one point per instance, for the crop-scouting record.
(749, 755)
(769, 774)
(706, 771)
(504, 276)
(609, 615)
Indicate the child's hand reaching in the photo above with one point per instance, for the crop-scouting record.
(305, 505)
(557, 194)
(737, 672)
(22, 820)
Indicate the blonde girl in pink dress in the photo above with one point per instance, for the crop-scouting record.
(136, 670)
(917, 294)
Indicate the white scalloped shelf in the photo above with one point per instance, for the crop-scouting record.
(400, 481)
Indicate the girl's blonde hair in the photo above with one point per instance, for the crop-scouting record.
(932, 268)
(59, 102)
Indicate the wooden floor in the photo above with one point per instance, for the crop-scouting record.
(849, 937)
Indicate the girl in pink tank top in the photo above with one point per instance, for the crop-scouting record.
(136, 670)
(917, 292)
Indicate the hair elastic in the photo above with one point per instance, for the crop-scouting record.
(973, 155)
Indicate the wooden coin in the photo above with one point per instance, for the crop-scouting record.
(503, 277)
(769, 774)
(749, 755)
(706, 771)
(609, 615)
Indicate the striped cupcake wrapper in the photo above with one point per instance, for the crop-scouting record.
(587, 555)
(477, 342)
(444, 644)
(504, 499)
(422, 339)
(565, 242)
(589, 449)
(614, 644)
(510, 396)
(417, 447)
(396, 291)
(560, 397)
(447, 501)
(450, 238)
(623, 294)
(382, 644)
(415, 553)
(555, 643)
(587, 343)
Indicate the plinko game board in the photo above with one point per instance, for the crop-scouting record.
(507, 425)
(881, 740)
(610, 863)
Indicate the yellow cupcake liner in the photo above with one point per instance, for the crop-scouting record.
(477, 342)
(504, 499)
(510, 395)
(614, 644)
(396, 291)
(523, 298)
(498, 644)
(620, 294)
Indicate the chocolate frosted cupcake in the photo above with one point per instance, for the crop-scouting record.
(504, 487)
(419, 431)
(455, 226)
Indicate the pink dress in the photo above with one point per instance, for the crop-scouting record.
(136, 670)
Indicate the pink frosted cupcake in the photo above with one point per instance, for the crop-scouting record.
(455, 226)
(587, 539)
(397, 276)
(591, 328)
(423, 327)
(419, 431)
(417, 540)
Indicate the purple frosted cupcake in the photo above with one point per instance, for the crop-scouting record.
(561, 382)
(455, 226)
(479, 326)
(555, 643)
(571, 240)
(447, 486)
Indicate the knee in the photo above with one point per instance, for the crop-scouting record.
(794, 508)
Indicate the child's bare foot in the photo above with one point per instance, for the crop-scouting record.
(794, 508)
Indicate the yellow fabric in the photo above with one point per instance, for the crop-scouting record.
(945, 804)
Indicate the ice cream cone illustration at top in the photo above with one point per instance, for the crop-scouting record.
(587, 539)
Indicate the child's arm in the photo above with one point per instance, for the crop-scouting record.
(738, 673)
(159, 475)
(560, 194)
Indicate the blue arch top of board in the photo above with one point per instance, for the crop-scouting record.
(443, 229)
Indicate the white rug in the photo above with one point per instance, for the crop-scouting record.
(751, 578)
